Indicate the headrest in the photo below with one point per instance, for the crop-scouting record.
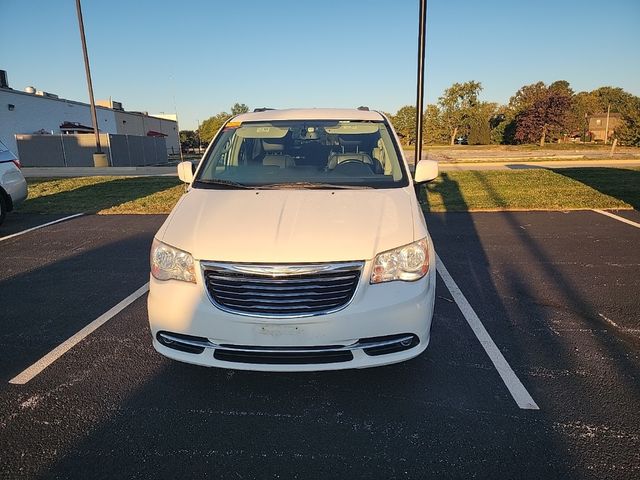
(269, 146)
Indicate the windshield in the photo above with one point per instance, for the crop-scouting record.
(303, 153)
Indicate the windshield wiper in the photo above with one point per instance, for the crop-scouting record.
(226, 183)
(312, 185)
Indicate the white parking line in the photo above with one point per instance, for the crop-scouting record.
(68, 344)
(40, 226)
(620, 219)
(512, 382)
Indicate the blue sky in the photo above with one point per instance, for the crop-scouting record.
(343, 53)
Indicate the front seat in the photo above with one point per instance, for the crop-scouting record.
(380, 155)
(274, 156)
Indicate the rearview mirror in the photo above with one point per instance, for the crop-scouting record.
(426, 170)
(185, 172)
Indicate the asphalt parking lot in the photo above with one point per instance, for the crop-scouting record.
(557, 292)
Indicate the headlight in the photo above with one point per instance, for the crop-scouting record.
(408, 263)
(170, 263)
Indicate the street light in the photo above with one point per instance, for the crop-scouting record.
(420, 83)
(99, 158)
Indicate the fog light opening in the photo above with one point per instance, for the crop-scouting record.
(182, 343)
(395, 343)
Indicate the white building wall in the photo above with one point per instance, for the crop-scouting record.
(129, 123)
(32, 113)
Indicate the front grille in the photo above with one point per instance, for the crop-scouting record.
(282, 358)
(282, 290)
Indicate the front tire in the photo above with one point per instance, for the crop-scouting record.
(3, 208)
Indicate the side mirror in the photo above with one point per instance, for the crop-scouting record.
(426, 170)
(185, 172)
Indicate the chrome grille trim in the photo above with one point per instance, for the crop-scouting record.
(208, 344)
(281, 290)
(288, 281)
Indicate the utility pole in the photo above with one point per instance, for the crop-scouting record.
(606, 127)
(199, 141)
(175, 111)
(99, 158)
(420, 81)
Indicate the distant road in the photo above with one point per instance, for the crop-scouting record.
(458, 159)
(523, 165)
(512, 164)
(473, 154)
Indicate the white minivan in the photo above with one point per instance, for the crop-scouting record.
(13, 186)
(299, 245)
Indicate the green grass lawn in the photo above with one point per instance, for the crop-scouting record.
(536, 189)
(515, 160)
(102, 195)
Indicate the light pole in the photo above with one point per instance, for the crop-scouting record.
(99, 158)
(420, 83)
(606, 128)
(199, 141)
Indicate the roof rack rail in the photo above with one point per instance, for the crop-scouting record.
(363, 108)
(262, 109)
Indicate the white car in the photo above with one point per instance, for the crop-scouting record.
(13, 186)
(299, 245)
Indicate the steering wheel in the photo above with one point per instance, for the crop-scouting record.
(353, 162)
(350, 160)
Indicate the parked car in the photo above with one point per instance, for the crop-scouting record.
(299, 245)
(13, 186)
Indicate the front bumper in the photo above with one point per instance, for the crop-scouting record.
(394, 311)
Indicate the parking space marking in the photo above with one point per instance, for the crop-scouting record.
(40, 226)
(620, 219)
(68, 344)
(510, 379)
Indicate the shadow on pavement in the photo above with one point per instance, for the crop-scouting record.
(520, 166)
(17, 222)
(523, 294)
(136, 415)
(373, 423)
(54, 283)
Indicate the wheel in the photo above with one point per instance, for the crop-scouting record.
(3, 208)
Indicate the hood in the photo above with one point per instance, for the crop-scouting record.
(290, 226)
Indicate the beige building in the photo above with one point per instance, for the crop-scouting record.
(598, 125)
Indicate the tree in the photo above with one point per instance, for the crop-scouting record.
(583, 105)
(627, 105)
(404, 123)
(211, 125)
(239, 108)
(562, 87)
(434, 131)
(613, 97)
(546, 116)
(527, 96)
(188, 139)
(479, 126)
(502, 124)
(629, 131)
(457, 106)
